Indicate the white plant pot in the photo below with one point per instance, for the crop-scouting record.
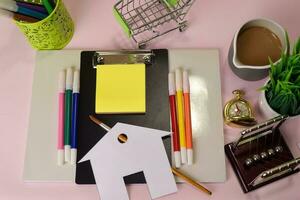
(265, 108)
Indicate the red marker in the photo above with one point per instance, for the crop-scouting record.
(176, 144)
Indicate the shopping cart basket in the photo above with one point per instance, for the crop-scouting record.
(144, 20)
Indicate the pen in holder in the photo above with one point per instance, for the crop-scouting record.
(53, 32)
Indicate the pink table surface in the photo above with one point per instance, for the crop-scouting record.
(212, 25)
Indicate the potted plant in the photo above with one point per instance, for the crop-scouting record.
(281, 93)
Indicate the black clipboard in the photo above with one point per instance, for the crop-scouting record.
(156, 116)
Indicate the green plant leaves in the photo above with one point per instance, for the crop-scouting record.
(296, 49)
(287, 39)
(283, 89)
(277, 100)
(277, 88)
(269, 96)
(294, 104)
(289, 74)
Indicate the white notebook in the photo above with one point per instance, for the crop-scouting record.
(41, 155)
(206, 111)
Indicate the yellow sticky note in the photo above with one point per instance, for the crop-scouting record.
(121, 89)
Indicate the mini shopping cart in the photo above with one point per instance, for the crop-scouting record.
(145, 20)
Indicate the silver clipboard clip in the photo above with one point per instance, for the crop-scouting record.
(122, 57)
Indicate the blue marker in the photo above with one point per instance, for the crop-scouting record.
(12, 6)
(74, 122)
(31, 6)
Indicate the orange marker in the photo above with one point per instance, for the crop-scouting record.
(187, 119)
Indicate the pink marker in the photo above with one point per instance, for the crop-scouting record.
(61, 105)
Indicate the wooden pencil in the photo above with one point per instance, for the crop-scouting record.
(190, 181)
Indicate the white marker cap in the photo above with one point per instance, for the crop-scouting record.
(177, 159)
(69, 79)
(178, 79)
(67, 153)
(73, 156)
(60, 157)
(9, 5)
(172, 89)
(76, 82)
(62, 81)
(183, 155)
(6, 13)
(189, 156)
(186, 82)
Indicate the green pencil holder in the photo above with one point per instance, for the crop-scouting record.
(53, 32)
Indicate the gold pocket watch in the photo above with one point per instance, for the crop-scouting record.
(238, 111)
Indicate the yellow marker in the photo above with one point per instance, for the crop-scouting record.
(180, 115)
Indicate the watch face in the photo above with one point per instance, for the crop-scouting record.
(238, 112)
(238, 109)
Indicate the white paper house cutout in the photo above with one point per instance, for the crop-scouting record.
(144, 151)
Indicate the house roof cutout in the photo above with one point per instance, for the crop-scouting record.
(134, 134)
